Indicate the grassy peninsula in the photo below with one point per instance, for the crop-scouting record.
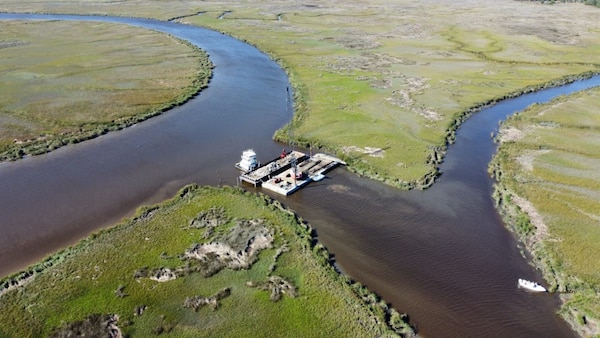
(66, 82)
(385, 84)
(211, 262)
(548, 167)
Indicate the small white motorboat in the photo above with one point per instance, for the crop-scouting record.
(318, 177)
(531, 286)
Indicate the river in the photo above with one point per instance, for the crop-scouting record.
(442, 255)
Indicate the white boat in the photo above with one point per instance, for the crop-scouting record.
(531, 286)
(318, 177)
(248, 161)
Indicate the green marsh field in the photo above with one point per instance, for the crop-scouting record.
(549, 171)
(383, 84)
(65, 82)
(211, 262)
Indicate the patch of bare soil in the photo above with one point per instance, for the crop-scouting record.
(541, 229)
(370, 151)
(555, 33)
(209, 220)
(365, 61)
(551, 107)
(511, 134)
(544, 21)
(228, 256)
(198, 302)
(235, 250)
(526, 160)
(12, 43)
(96, 325)
(163, 275)
(277, 285)
(357, 42)
(403, 98)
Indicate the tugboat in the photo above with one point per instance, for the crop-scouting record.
(248, 162)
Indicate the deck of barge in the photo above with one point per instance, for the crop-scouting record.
(271, 168)
(286, 183)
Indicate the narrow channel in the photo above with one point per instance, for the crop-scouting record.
(442, 255)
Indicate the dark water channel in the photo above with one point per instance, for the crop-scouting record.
(442, 255)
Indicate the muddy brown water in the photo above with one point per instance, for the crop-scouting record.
(441, 255)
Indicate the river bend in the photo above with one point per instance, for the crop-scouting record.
(442, 255)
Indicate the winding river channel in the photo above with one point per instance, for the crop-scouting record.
(442, 255)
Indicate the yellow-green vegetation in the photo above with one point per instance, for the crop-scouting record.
(65, 82)
(211, 262)
(548, 167)
(384, 84)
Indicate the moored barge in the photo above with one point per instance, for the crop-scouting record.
(290, 171)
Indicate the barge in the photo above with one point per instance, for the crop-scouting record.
(290, 172)
(262, 173)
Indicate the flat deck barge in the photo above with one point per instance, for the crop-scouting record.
(290, 180)
(258, 176)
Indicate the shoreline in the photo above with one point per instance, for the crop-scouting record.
(90, 130)
(382, 315)
(434, 158)
(442, 156)
(541, 259)
(438, 152)
(522, 218)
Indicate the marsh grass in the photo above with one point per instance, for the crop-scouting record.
(555, 165)
(383, 75)
(65, 82)
(386, 75)
(98, 276)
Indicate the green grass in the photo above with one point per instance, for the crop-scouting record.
(378, 75)
(382, 74)
(65, 82)
(556, 166)
(83, 279)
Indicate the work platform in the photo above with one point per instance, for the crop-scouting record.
(281, 176)
(290, 180)
(258, 176)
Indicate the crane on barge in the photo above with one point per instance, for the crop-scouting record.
(294, 160)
